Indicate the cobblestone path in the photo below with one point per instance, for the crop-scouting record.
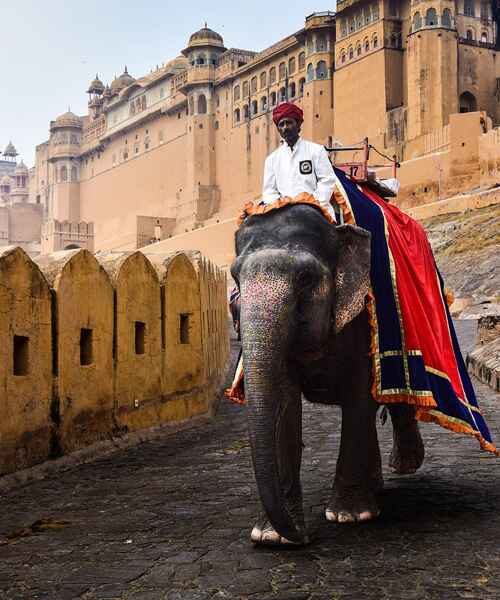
(170, 519)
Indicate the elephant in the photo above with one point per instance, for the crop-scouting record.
(305, 331)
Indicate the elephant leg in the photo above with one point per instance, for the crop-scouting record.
(289, 442)
(408, 447)
(358, 477)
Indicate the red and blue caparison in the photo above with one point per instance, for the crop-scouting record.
(415, 352)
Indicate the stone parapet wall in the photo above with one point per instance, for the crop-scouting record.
(96, 346)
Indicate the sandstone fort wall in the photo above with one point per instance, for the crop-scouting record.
(96, 346)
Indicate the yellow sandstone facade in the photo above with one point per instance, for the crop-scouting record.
(181, 148)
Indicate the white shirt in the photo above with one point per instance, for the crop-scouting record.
(305, 168)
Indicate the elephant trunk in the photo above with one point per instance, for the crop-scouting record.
(274, 401)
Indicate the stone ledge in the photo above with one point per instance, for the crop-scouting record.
(484, 363)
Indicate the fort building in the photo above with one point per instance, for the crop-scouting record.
(20, 217)
(181, 148)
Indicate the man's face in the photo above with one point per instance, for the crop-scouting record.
(289, 130)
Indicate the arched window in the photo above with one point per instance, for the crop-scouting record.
(253, 85)
(367, 14)
(236, 93)
(375, 41)
(74, 174)
(191, 105)
(302, 83)
(202, 104)
(375, 12)
(255, 108)
(359, 20)
(417, 21)
(430, 17)
(366, 44)
(302, 60)
(351, 26)
(245, 89)
(282, 70)
(272, 75)
(358, 49)
(201, 59)
(63, 174)
(282, 94)
(273, 98)
(484, 37)
(446, 18)
(263, 80)
(470, 34)
(343, 28)
(351, 52)
(263, 103)
(245, 111)
(469, 8)
(467, 102)
(291, 66)
(321, 70)
(292, 90)
(310, 72)
(321, 44)
(237, 115)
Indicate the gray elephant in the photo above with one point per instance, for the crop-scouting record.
(304, 330)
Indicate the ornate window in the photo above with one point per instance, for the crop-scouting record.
(272, 75)
(342, 56)
(292, 90)
(263, 103)
(255, 108)
(417, 21)
(367, 12)
(431, 17)
(469, 8)
(302, 60)
(245, 89)
(202, 104)
(263, 80)
(282, 94)
(375, 42)
(253, 85)
(245, 112)
(343, 28)
(273, 98)
(358, 49)
(321, 44)
(470, 35)
(74, 174)
(359, 20)
(375, 12)
(366, 44)
(321, 70)
(237, 115)
(236, 93)
(310, 72)
(291, 66)
(282, 71)
(446, 18)
(302, 83)
(484, 37)
(351, 52)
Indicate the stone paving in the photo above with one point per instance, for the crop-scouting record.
(170, 520)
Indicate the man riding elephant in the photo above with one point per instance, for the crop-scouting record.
(329, 313)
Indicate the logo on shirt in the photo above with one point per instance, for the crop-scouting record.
(305, 167)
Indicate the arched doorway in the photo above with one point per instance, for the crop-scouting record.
(467, 102)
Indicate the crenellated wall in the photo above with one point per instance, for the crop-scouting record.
(94, 346)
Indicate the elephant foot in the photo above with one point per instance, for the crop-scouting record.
(351, 504)
(408, 451)
(264, 534)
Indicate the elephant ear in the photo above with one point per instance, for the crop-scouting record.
(353, 273)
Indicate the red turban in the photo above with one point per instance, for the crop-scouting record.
(287, 110)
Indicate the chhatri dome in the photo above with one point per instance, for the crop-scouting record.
(21, 169)
(206, 37)
(96, 86)
(10, 150)
(121, 82)
(68, 119)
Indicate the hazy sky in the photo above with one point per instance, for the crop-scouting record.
(52, 49)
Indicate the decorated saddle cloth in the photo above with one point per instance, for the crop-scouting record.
(416, 358)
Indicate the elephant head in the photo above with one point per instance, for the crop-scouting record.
(300, 280)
